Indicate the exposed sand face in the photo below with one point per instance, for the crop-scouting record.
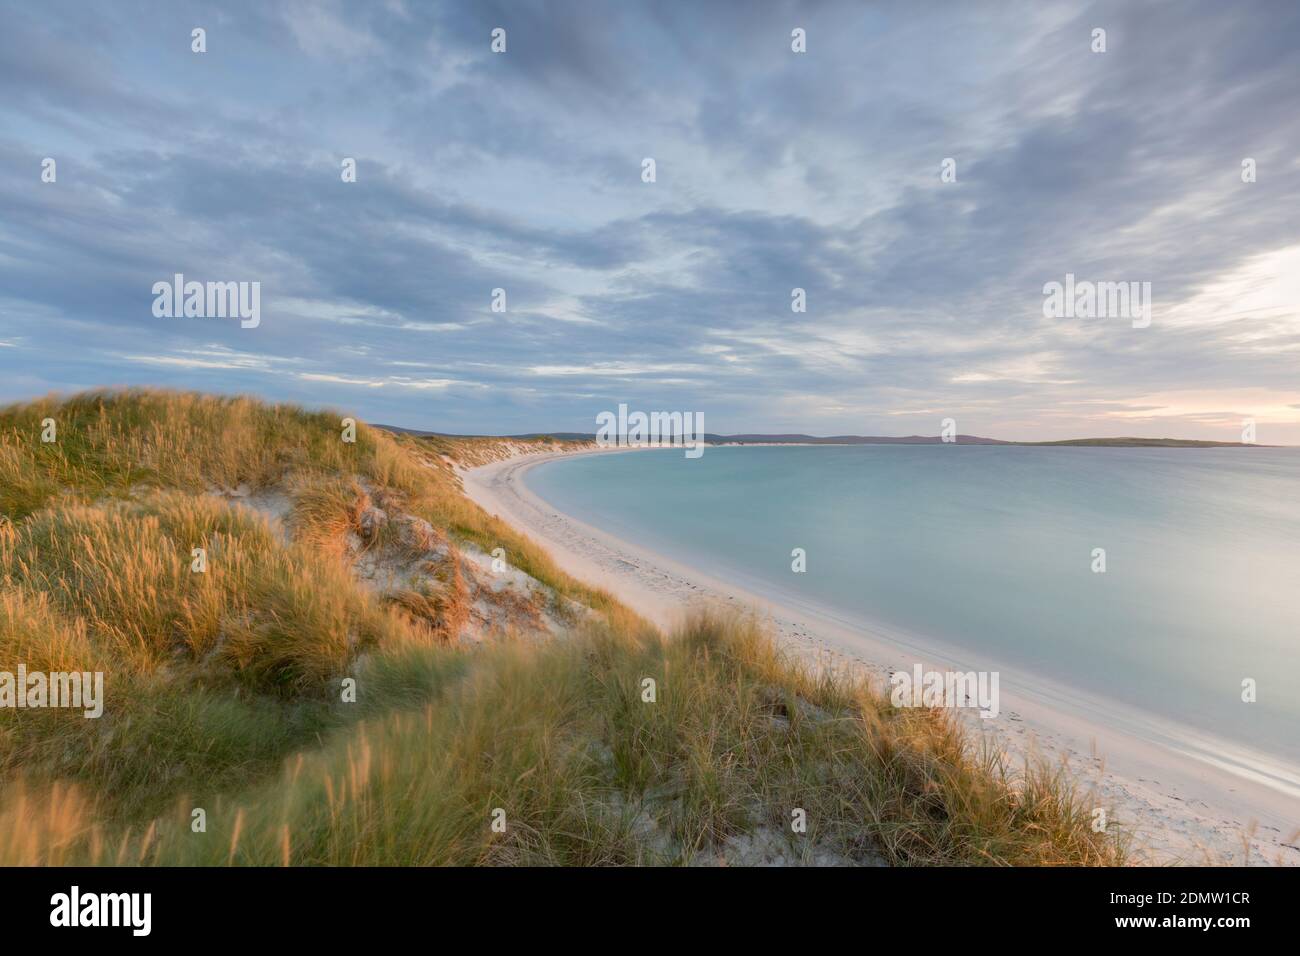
(1180, 809)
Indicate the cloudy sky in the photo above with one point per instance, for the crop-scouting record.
(774, 170)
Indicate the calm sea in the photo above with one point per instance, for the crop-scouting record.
(990, 550)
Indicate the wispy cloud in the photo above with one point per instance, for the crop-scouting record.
(522, 172)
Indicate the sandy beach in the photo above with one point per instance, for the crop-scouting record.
(1179, 805)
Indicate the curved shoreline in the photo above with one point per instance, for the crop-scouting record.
(1178, 803)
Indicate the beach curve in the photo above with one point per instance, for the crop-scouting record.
(1178, 803)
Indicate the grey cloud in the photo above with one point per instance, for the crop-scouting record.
(521, 171)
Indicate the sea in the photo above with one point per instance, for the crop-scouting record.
(1162, 584)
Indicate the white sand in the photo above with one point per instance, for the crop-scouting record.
(1180, 807)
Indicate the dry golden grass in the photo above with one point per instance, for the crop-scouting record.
(266, 612)
(439, 607)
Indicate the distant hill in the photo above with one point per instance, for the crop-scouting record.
(1145, 443)
(848, 440)
(800, 439)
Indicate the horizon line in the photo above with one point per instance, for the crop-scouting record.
(794, 438)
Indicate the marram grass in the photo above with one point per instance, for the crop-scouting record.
(223, 688)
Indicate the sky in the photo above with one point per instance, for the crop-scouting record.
(774, 170)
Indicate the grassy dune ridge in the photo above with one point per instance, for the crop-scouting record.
(223, 689)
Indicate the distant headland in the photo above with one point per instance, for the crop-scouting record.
(799, 439)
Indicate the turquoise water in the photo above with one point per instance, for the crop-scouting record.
(989, 550)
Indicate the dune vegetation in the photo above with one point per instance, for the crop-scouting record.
(310, 658)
